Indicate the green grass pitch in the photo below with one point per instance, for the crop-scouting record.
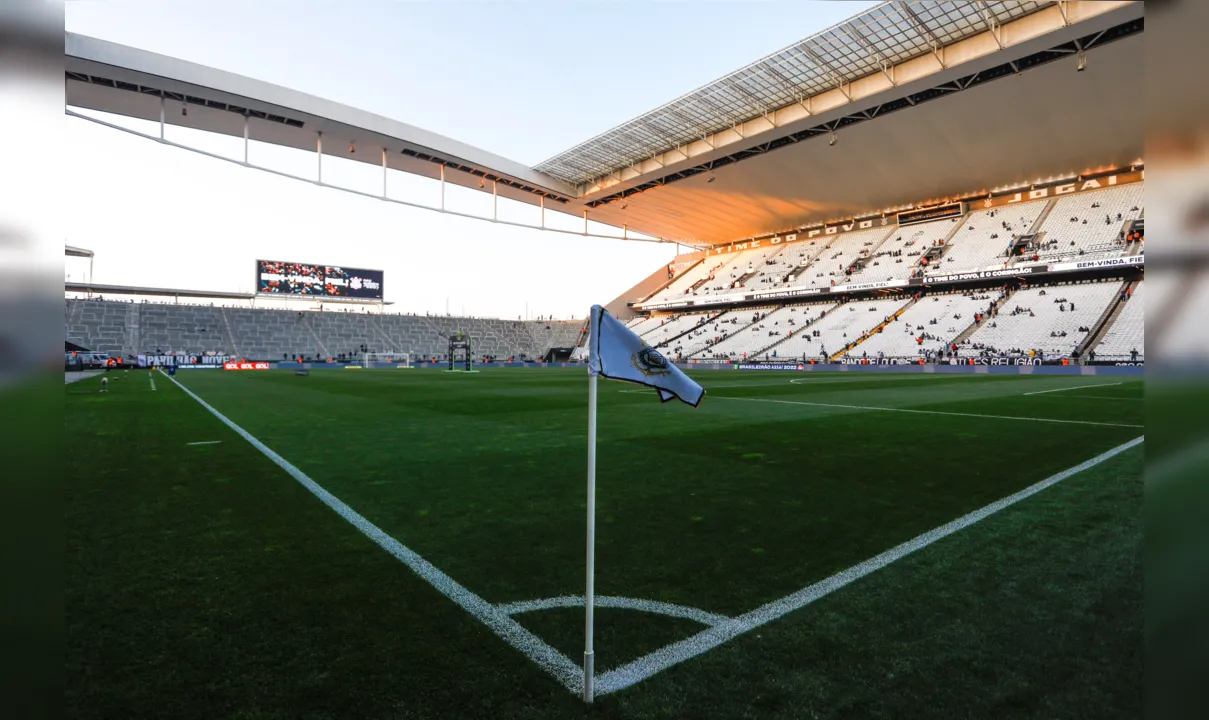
(203, 581)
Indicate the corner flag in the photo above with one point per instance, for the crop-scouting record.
(616, 352)
(619, 354)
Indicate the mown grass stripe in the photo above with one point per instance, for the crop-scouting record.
(555, 663)
(711, 638)
(925, 412)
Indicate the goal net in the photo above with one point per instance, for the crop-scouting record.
(391, 359)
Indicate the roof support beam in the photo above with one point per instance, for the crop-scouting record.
(991, 21)
(1092, 43)
(824, 65)
(886, 66)
(787, 85)
(759, 104)
(937, 48)
(657, 131)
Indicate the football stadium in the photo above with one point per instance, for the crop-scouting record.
(899, 313)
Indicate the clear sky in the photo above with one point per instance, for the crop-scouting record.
(524, 80)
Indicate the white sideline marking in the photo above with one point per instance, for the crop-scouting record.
(1076, 387)
(926, 412)
(610, 601)
(801, 381)
(711, 638)
(811, 381)
(205, 442)
(569, 674)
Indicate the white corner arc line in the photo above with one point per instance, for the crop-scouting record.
(553, 662)
(1076, 387)
(926, 412)
(711, 638)
(611, 601)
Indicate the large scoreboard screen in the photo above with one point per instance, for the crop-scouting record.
(274, 277)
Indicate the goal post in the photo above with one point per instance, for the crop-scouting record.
(371, 360)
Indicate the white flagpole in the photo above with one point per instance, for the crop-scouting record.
(590, 589)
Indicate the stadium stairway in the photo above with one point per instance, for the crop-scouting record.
(973, 328)
(305, 321)
(876, 329)
(131, 340)
(1035, 230)
(741, 281)
(389, 344)
(947, 242)
(763, 352)
(721, 322)
(226, 323)
(806, 264)
(1107, 318)
(1049, 208)
(1134, 248)
(686, 331)
(664, 286)
(867, 254)
(693, 288)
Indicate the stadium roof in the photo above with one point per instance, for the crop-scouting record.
(921, 100)
(884, 36)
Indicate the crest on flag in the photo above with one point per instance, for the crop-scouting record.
(649, 362)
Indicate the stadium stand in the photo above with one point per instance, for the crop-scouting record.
(1054, 319)
(686, 281)
(761, 331)
(675, 327)
(1089, 225)
(126, 329)
(932, 323)
(1127, 332)
(839, 329)
(647, 324)
(985, 237)
(827, 267)
(742, 266)
(710, 333)
(266, 334)
(193, 327)
(100, 326)
(776, 268)
(898, 255)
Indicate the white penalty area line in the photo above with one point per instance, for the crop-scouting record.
(1076, 387)
(569, 674)
(152, 382)
(712, 637)
(923, 412)
(205, 442)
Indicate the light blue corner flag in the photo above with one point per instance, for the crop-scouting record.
(617, 353)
